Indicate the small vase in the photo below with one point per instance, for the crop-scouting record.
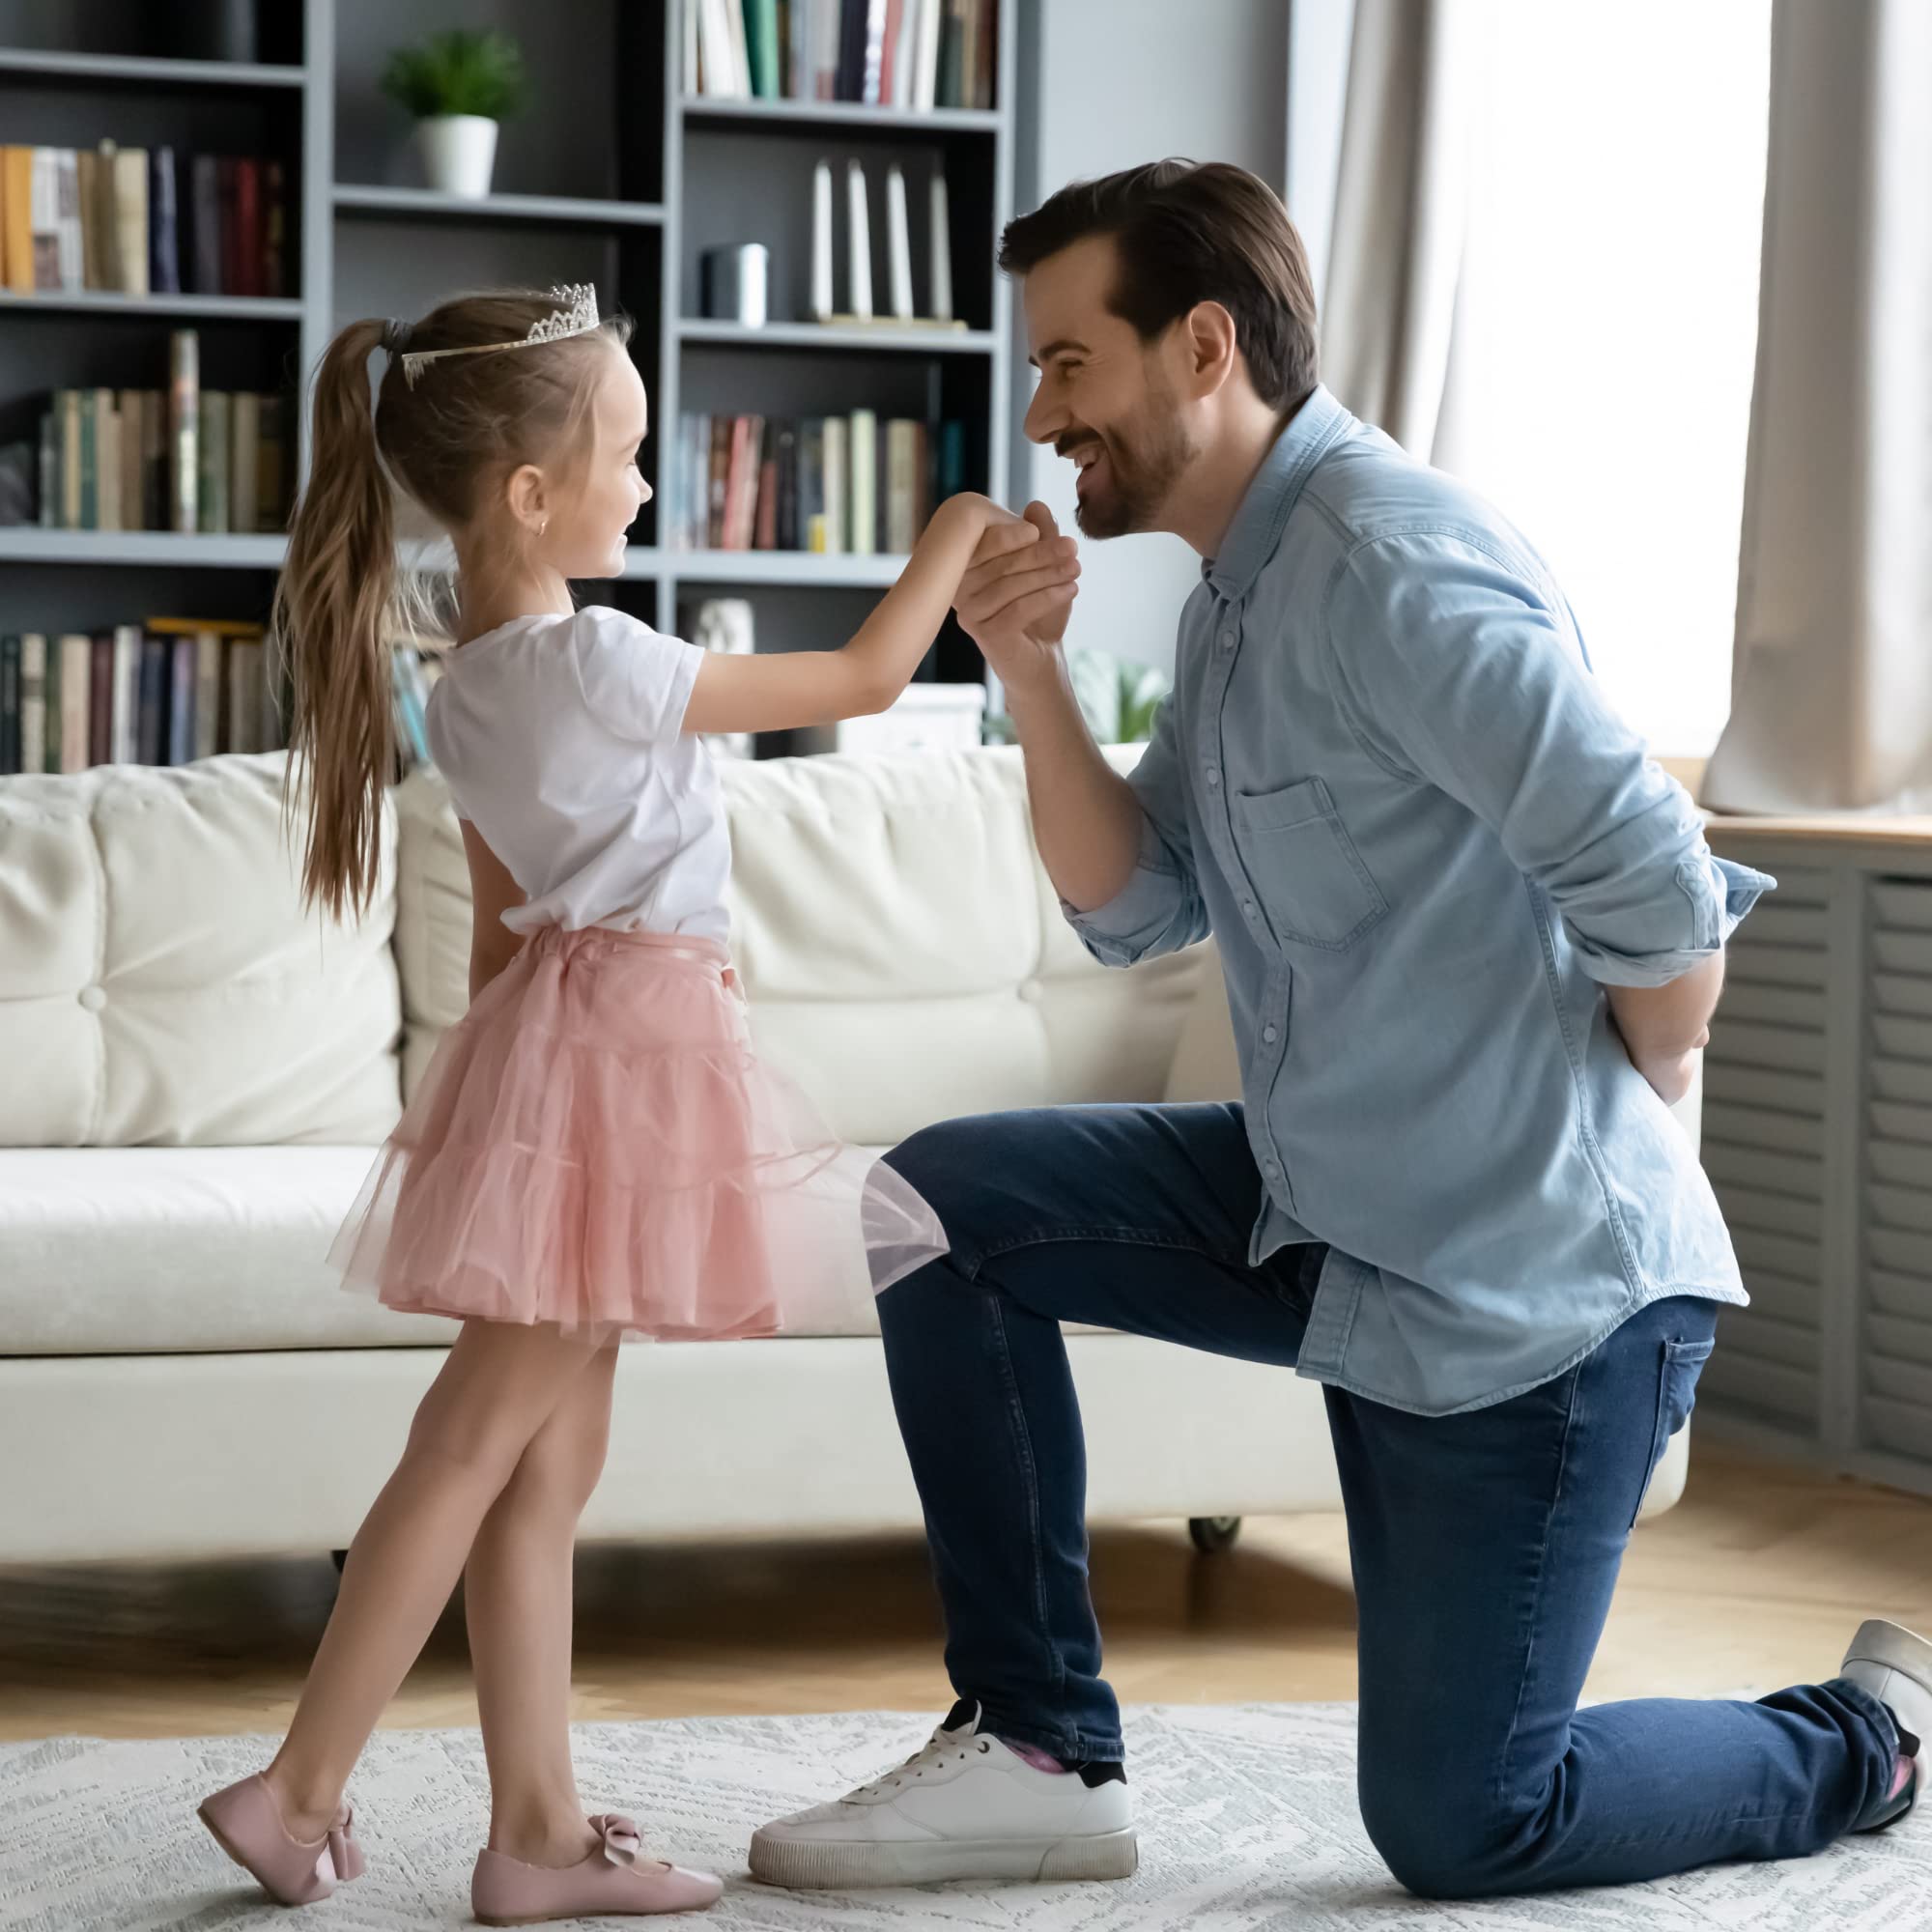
(458, 153)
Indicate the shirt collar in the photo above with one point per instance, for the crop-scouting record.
(1258, 525)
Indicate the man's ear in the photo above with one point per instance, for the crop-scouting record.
(1208, 337)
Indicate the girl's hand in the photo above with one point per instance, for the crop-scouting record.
(978, 514)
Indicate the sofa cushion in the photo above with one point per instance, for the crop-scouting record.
(900, 945)
(160, 980)
(176, 1250)
(108, 1251)
(1205, 1065)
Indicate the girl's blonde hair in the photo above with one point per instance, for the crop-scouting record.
(466, 426)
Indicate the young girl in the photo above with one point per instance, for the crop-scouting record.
(595, 1152)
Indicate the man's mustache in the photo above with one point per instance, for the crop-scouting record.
(1065, 446)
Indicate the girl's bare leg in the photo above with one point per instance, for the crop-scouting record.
(517, 1594)
(497, 1390)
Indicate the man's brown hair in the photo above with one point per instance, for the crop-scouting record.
(1187, 233)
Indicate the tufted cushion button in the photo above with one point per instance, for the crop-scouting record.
(93, 998)
(1032, 991)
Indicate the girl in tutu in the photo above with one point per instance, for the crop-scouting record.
(596, 1151)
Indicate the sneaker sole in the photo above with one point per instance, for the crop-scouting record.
(803, 1865)
(1893, 1647)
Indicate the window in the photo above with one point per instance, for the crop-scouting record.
(1606, 327)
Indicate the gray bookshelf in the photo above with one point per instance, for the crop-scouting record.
(613, 176)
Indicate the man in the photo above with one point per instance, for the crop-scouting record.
(1471, 939)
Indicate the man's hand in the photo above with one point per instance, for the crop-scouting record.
(1670, 1079)
(1013, 603)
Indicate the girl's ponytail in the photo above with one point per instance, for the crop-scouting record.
(335, 610)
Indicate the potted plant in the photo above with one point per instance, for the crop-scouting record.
(458, 85)
(1119, 700)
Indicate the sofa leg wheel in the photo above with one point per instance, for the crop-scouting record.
(339, 1557)
(1213, 1534)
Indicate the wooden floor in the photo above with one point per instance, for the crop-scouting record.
(1756, 1579)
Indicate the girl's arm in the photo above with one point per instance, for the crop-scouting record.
(491, 894)
(789, 690)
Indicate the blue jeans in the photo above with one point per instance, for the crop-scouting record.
(1485, 1545)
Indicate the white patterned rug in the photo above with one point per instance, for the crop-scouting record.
(1247, 1820)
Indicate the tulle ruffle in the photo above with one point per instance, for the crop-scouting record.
(597, 1145)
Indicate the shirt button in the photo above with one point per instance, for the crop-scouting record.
(1248, 907)
(1269, 1034)
(93, 998)
(1227, 640)
(1213, 774)
(1271, 1169)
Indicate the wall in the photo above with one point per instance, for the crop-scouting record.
(1106, 84)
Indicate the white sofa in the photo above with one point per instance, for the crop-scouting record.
(193, 1075)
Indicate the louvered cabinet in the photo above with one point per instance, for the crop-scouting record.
(1817, 1136)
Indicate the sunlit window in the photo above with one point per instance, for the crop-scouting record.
(1607, 323)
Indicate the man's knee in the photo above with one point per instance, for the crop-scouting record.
(1438, 1839)
(944, 1161)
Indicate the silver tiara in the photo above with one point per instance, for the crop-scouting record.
(576, 314)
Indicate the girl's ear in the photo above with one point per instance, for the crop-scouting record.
(527, 497)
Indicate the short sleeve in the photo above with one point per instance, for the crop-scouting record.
(442, 754)
(635, 681)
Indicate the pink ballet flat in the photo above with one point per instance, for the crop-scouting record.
(610, 1882)
(248, 1825)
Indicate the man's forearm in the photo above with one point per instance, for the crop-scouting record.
(1664, 1023)
(1085, 819)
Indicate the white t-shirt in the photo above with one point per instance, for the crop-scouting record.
(562, 740)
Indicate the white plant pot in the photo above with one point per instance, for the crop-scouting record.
(459, 151)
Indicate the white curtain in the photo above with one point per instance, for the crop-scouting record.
(1402, 203)
(1831, 683)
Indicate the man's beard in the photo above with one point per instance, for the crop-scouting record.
(1141, 474)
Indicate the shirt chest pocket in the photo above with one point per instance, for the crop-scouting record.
(1304, 867)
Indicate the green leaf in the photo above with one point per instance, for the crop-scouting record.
(1096, 690)
(458, 73)
(1144, 687)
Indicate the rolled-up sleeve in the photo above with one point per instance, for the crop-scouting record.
(1453, 672)
(1159, 909)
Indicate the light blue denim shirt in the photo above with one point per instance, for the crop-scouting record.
(1389, 785)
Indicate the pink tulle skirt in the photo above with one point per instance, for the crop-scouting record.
(596, 1145)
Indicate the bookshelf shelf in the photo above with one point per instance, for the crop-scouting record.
(848, 114)
(414, 204)
(228, 552)
(616, 176)
(139, 71)
(191, 308)
(831, 338)
(781, 569)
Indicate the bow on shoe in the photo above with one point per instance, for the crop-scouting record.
(622, 1845)
(344, 1852)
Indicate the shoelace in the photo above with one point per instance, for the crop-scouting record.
(941, 1744)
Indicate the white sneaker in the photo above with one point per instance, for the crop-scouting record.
(1895, 1665)
(965, 1806)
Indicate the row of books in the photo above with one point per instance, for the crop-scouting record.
(908, 54)
(134, 220)
(120, 461)
(858, 485)
(163, 693)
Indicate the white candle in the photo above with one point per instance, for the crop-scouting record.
(821, 241)
(859, 249)
(898, 243)
(942, 251)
